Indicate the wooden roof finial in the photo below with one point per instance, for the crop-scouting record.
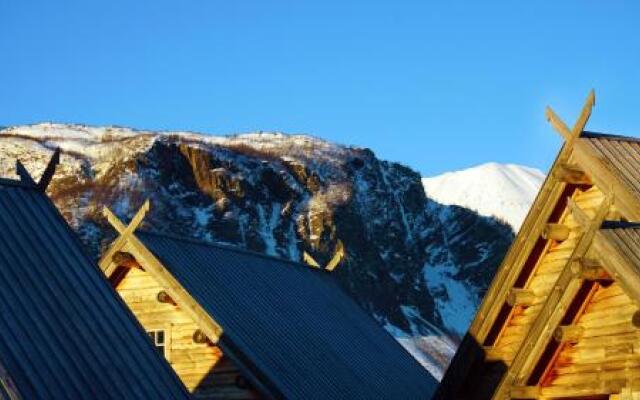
(48, 173)
(570, 135)
(125, 230)
(335, 260)
(25, 176)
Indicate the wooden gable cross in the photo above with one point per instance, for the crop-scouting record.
(570, 135)
(47, 175)
(126, 230)
(335, 260)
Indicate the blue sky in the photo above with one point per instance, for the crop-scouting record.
(435, 85)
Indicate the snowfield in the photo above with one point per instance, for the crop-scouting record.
(505, 191)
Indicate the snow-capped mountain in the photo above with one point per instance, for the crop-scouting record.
(505, 191)
(417, 266)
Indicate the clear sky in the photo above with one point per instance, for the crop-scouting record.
(436, 85)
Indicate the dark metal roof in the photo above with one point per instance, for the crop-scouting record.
(291, 325)
(64, 332)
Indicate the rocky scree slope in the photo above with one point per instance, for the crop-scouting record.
(418, 267)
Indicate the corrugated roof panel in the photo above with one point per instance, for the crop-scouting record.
(64, 333)
(293, 324)
(620, 154)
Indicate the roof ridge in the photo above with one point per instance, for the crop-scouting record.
(230, 247)
(16, 182)
(614, 136)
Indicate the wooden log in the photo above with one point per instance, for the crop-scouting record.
(521, 297)
(568, 333)
(127, 260)
(502, 354)
(589, 269)
(200, 337)
(525, 392)
(163, 297)
(635, 319)
(557, 232)
(571, 174)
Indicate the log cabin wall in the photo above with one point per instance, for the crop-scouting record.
(202, 367)
(605, 353)
(541, 280)
(561, 318)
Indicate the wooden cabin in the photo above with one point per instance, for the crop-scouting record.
(561, 319)
(64, 333)
(242, 325)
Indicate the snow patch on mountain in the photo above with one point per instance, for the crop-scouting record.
(505, 191)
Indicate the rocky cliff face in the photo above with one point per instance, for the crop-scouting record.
(416, 266)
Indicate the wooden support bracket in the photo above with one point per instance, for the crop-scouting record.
(568, 333)
(571, 174)
(589, 269)
(521, 297)
(557, 232)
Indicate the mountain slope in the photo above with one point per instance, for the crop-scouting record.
(505, 191)
(417, 266)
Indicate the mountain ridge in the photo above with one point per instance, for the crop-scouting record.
(410, 261)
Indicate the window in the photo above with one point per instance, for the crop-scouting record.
(159, 340)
